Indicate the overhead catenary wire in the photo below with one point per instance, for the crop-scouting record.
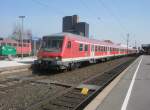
(114, 16)
(45, 5)
(89, 9)
(110, 13)
(98, 18)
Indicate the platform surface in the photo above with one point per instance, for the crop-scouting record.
(16, 62)
(133, 90)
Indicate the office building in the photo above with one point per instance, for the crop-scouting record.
(71, 24)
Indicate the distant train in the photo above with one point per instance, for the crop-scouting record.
(10, 43)
(67, 51)
(145, 49)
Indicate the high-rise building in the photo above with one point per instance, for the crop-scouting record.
(71, 24)
(67, 24)
(75, 19)
(82, 28)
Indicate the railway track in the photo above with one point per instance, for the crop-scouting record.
(17, 81)
(50, 93)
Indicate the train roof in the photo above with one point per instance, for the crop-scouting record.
(88, 40)
(145, 45)
(7, 40)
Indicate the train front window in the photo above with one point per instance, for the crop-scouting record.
(52, 44)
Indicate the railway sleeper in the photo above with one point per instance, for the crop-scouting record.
(64, 104)
(53, 107)
(69, 100)
(74, 96)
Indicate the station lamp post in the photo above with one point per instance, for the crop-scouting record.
(128, 42)
(22, 19)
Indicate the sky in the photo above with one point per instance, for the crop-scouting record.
(108, 19)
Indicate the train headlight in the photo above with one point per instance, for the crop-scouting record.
(57, 58)
(39, 57)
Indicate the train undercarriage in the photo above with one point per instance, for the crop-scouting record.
(41, 64)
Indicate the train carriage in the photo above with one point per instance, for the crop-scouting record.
(25, 49)
(66, 50)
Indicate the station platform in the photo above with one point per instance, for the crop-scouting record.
(129, 91)
(16, 63)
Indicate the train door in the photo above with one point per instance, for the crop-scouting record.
(92, 50)
(69, 49)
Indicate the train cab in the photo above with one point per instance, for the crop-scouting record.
(51, 48)
(50, 53)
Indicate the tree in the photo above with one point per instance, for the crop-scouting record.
(16, 34)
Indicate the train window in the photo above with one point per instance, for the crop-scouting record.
(95, 48)
(9, 44)
(3, 44)
(54, 43)
(102, 49)
(110, 49)
(86, 47)
(27, 45)
(14, 44)
(24, 45)
(105, 49)
(69, 44)
(20, 45)
(99, 48)
(80, 47)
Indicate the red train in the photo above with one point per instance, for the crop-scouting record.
(68, 51)
(25, 49)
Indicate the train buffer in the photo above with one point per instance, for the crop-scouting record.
(129, 91)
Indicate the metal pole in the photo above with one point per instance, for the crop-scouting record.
(34, 47)
(22, 17)
(135, 44)
(127, 41)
